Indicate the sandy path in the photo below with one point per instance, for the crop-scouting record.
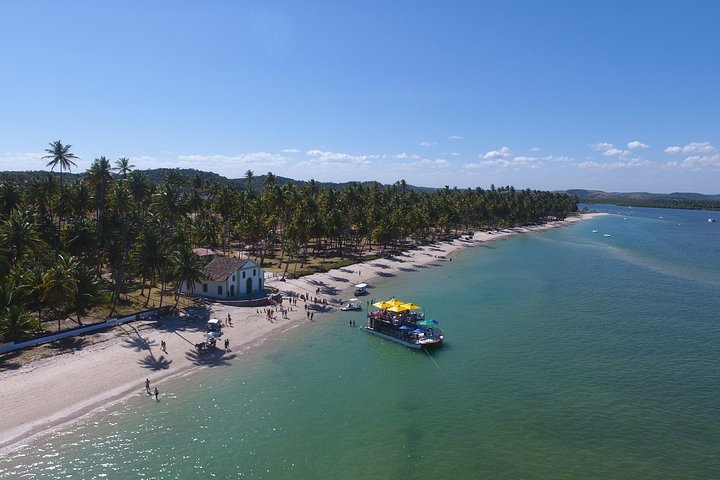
(50, 392)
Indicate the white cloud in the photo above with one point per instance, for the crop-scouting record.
(613, 152)
(601, 147)
(698, 162)
(559, 158)
(438, 162)
(221, 162)
(290, 150)
(504, 159)
(143, 162)
(414, 161)
(338, 158)
(610, 150)
(503, 153)
(535, 149)
(14, 161)
(454, 137)
(692, 148)
(635, 144)
(696, 147)
(620, 164)
(425, 143)
(700, 156)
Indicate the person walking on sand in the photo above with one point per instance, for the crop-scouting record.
(157, 394)
(147, 385)
(227, 344)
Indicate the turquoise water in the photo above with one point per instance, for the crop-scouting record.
(569, 354)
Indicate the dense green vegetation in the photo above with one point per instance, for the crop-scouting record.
(688, 201)
(70, 242)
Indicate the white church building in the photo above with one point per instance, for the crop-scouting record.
(228, 278)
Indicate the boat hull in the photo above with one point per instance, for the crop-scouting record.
(413, 345)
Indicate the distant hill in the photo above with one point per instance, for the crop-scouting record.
(156, 175)
(695, 201)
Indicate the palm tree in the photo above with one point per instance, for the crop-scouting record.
(15, 322)
(120, 201)
(187, 269)
(59, 286)
(18, 235)
(86, 292)
(10, 197)
(123, 167)
(80, 237)
(60, 154)
(170, 206)
(249, 175)
(147, 259)
(224, 205)
(40, 194)
(100, 178)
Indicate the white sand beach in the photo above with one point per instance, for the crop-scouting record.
(48, 393)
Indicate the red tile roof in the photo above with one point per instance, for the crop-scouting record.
(220, 268)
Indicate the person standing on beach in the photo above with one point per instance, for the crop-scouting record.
(147, 385)
(157, 394)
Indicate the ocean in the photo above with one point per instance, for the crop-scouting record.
(589, 351)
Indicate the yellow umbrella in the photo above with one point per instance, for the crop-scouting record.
(397, 308)
(411, 306)
(387, 303)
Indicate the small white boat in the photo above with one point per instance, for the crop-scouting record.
(361, 289)
(595, 231)
(606, 234)
(711, 220)
(352, 304)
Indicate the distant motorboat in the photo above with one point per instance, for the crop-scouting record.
(606, 234)
(711, 220)
(595, 231)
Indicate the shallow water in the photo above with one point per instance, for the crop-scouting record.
(569, 354)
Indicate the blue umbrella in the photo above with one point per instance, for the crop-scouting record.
(405, 327)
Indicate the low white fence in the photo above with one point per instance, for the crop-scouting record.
(12, 346)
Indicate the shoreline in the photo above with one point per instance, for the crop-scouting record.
(51, 393)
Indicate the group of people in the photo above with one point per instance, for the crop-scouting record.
(154, 393)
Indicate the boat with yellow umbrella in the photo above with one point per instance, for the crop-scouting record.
(397, 321)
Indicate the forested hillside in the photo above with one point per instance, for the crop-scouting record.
(694, 201)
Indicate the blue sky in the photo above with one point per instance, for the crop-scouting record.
(611, 95)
